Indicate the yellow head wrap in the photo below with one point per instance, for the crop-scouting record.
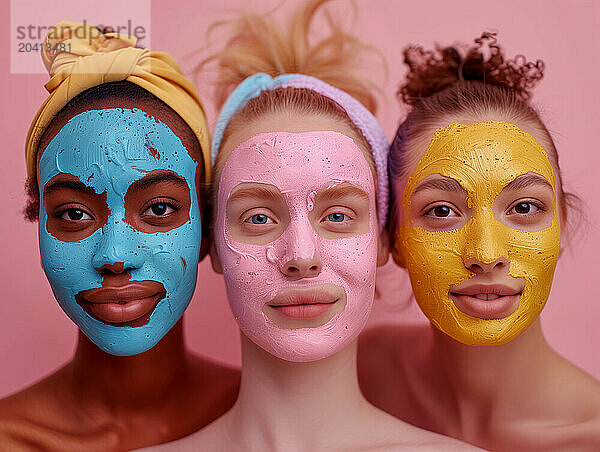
(78, 57)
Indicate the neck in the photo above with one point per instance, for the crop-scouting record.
(282, 402)
(495, 374)
(130, 382)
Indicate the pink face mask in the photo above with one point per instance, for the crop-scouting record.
(301, 168)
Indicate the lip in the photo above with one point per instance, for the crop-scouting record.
(130, 304)
(298, 307)
(486, 301)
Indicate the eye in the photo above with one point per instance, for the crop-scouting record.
(259, 218)
(73, 214)
(336, 217)
(160, 209)
(339, 214)
(441, 211)
(525, 208)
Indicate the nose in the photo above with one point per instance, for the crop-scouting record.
(117, 250)
(478, 267)
(485, 249)
(299, 255)
(302, 268)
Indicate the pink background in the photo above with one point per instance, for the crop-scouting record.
(37, 337)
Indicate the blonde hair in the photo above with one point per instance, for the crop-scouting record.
(259, 44)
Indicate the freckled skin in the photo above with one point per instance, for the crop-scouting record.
(100, 402)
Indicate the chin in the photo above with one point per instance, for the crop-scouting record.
(483, 332)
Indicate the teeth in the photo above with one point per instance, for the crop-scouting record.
(487, 296)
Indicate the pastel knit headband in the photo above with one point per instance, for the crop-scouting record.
(358, 114)
(78, 57)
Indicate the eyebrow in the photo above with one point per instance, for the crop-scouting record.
(257, 192)
(70, 184)
(340, 191)
(439, 183)
(527, 180)
(155, 178)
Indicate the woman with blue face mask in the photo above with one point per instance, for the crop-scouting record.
(116, 164)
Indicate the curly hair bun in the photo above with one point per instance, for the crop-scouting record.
(431, 71)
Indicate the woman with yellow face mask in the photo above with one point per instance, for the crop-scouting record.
(478, 209)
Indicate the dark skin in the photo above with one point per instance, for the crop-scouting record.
(102, 402)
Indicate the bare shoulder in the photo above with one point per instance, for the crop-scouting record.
(583, 432)
(570, 403)
(587, 435)
(573, 435)
(35, 418)
(425, 440)
(387, 433)
(33, 400)
(576, 391)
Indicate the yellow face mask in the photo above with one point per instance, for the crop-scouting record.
(483, 158)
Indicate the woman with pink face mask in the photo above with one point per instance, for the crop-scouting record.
(478, 208)
(300, 198)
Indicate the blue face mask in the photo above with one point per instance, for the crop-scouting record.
(108, 150)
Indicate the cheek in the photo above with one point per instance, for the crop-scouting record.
(249, 277)
(432, 252)
(533, 256)
(353, 259)
(68, 265)
(171, 256)
(433, 259)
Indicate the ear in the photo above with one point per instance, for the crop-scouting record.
(214, 258)
(383, 248)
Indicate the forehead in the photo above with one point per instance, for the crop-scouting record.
(284, 120)
(114, 147)
(488, 154)
(297, 162)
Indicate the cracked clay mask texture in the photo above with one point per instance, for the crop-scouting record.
(108, 150)
(298, 165)
(483, 158)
